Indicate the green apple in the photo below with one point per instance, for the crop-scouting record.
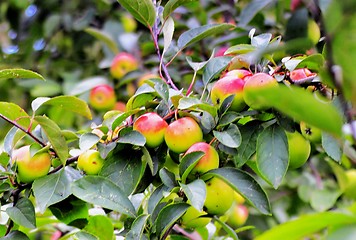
(238, 198)
(102, 97)
(182, 133)
(153, 127)
(313, 134)
(30, 168)
(299, 149)
(128, 22)
(219, 196)
(313, 31)
(193, 218)
(350, 185)
(225, 87)
(237, 215)
(90, 162)
(209, 161)
(122, 64)
(254, 88)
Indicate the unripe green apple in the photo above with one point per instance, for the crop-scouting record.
(102, 97)
(219, 196)
(227, 86)
(299, 149)
(237, 215)
(128, 22)
(313, 134)
(193, 218)
(238, 198)
(313, 31)
(122, 64)
(183, 133)
(152, 127)
(209, 161)
(350, 187)
(30, 168)
(90, 162)
(254, 88)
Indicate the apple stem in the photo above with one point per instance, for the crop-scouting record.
(27, 131)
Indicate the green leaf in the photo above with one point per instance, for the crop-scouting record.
(15, 113)
(161, 88)
(251, 10)
(312, 62)
(104, 37)
(214, 67)
(67, 103)
(23, 213)
(171, 5)
(249, 135)
(70, 210)
(345, 232)
(136, 231)
(103, 192)
(100, 226)
(167, 177)
(87, 141)
(272, 154)
(331, 147)
(245, 185)
(120, 118)
(227, 229)
(138, 101)
(196, 104)
(195, 192)
(87, 84)
(306, 225)
(54, 135)
(133, 137)
(125, 170)
(12, 137)
(323, 200)
(301, 105)
(54, 188)
(143, 10)
(19, 73)
(15, 235)
(240, 49)
(229, 117)
(85, 235)
(231, 137)
(168, 31)
(188, 162)
(156, 197)
(196, 34)
(168, 216)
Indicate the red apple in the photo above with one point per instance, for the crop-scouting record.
(300, 73)
(183, 133)
(102, 97)
(122, 64)
(209, 161)
(153, 127)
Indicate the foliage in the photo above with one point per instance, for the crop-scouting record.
(54, 53)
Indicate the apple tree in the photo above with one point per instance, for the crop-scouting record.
(236, 123)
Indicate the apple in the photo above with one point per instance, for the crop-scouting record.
(299, 149)
(300, 73)
(128, 22)
(227, 86)
(120, 106)
(350, 186)
(153, 127)
(237, 215)
(102, 97)
(182, 133)
(313, 31)
(238, 198)
(221, 51)
(313, 134)
(254, 88)
(90, 162)
(30, 168)
(122, 64)
(193, 218)
(209, 161)
(239, 73)
(219, 196)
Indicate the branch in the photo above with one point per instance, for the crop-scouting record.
(27, 131)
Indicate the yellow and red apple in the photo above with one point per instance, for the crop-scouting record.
(90, 162)
(102, 97)
(237, 215)
(153, 127)
(209, 161)
(30, 167)
(182, 133)
(122, 64)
